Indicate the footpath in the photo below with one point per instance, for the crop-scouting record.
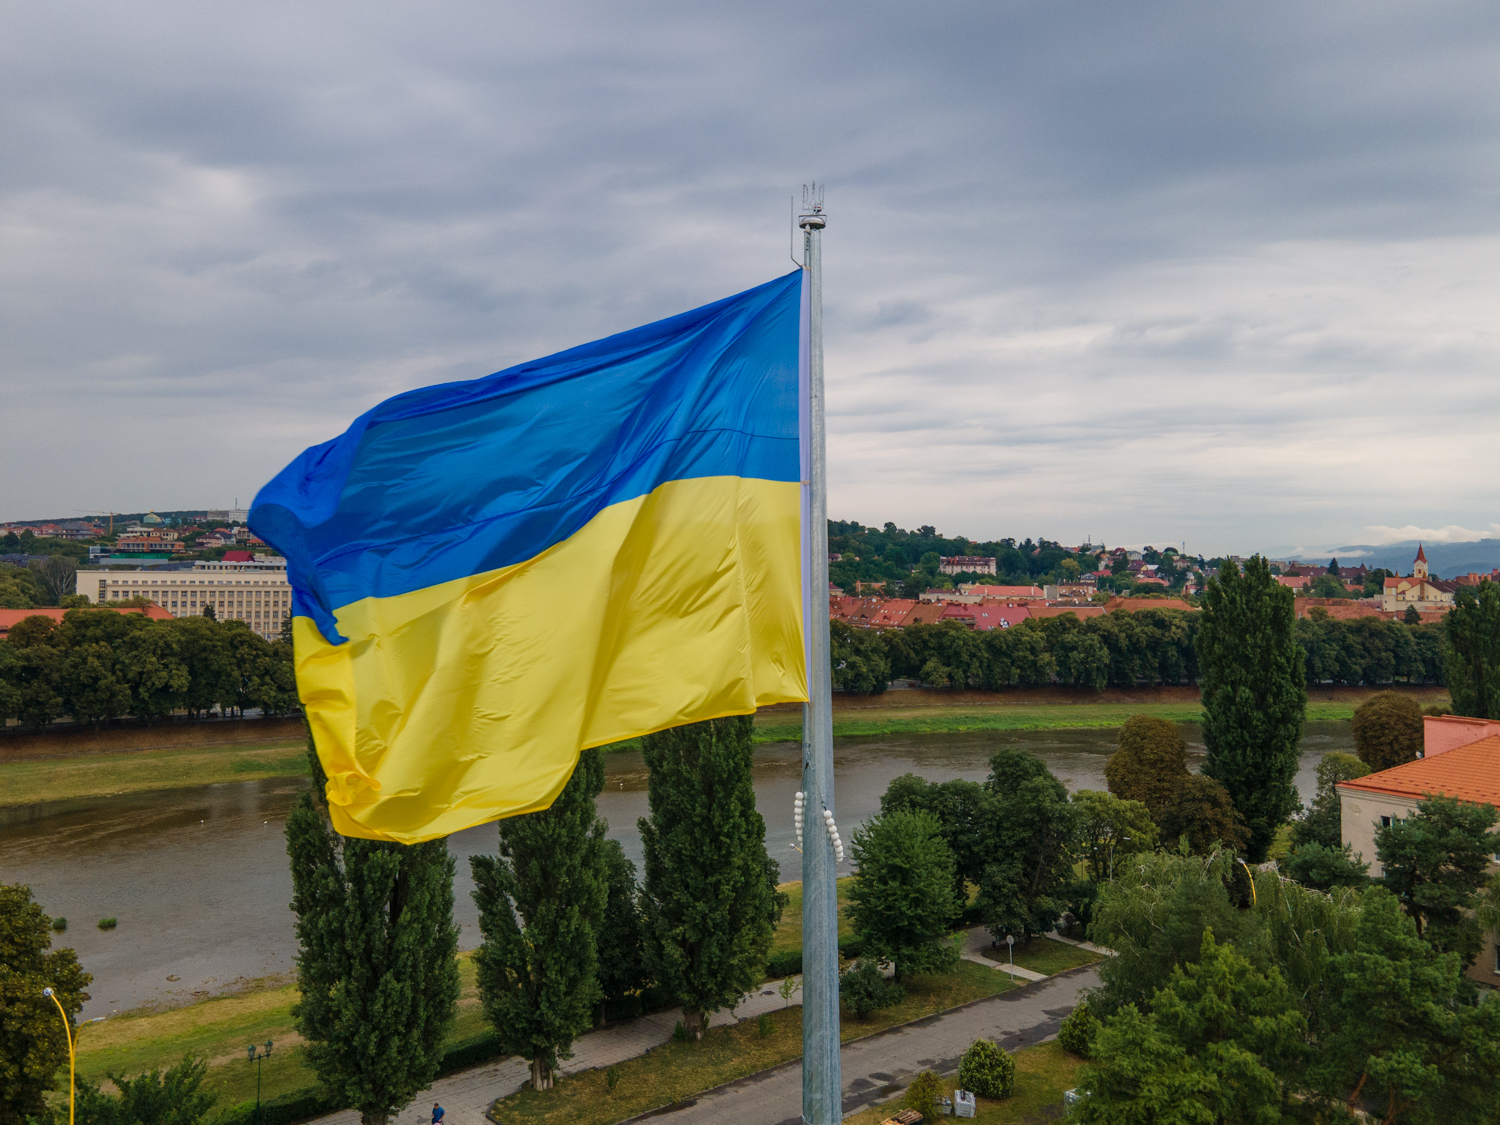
(1032, 1015)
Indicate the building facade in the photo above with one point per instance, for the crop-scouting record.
(966, 564)
(1418, 590)
(255, 593)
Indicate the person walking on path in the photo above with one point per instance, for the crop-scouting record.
(437, 1114)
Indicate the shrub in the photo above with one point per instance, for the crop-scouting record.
(923, 1093)
(59, 923)
(612, 1077)
(680, 1033)
(988, 1071)
(107, 923)
(865, 989)
(1078, 1031)
(765, 1025)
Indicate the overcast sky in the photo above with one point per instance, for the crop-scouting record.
(1226, 274)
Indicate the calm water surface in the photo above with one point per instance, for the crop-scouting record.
(198, 877)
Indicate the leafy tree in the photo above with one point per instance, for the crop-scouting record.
(620, 939)
(1323, 823)
(1110, 829)
(36, 671)
(960, 809)
(1435, 863)
(1412, 616)
(1154, 916)
(1327, 586)
(923, 1094)
(1387, 730)
(1322, 868)
(711, 902)
(1219, 1042)
(901, 900)
(1254, 695)
(541, 908)
(377, 971)
(1204, 816)
(864, 988)
(33, 1043)
(1151, 764)
(1472, 652)
(175, 1097)
(986, 1070)
(860, 663)
(10, 693)
(1032, 827)
(149, 660)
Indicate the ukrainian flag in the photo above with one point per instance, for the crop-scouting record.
(492, 576)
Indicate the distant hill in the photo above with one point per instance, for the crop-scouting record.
(1444, 559)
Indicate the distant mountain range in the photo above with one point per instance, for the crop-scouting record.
(1444, 559)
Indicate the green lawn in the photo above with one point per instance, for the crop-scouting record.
(789, 932)
(1043, 955)
(1043, 1073)
(105, 775)
(220, 1029)
(676, 1071)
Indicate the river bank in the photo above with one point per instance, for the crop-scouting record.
(73, 768)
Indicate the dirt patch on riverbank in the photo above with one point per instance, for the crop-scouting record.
(912, 698)
(75, 743)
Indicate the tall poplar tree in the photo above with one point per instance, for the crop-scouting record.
(1471, 655)
(622, 965)
(711, 899)
(541, 904)
(1254, 695)
(377, 969)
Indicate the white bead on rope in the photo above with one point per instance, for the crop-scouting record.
(797, 806)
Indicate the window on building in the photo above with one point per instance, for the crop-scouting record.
(1385, 822)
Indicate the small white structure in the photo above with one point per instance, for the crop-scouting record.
(963, 1103)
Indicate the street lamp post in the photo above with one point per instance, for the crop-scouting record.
(258, 1058)
(72, 1047)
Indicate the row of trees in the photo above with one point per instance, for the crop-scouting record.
(1118, 649)
(566, 925)
(97, 664)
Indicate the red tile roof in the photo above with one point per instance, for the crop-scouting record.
(1079, 611)
(1469, 773)
(1133, 604)
(1006, 591)
(9, 617)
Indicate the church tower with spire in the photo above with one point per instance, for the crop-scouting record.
(1419, 567)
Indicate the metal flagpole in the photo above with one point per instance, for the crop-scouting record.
(822, 1087)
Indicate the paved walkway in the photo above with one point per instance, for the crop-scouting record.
(466, 1095)
(980, 939)
(877, 1067)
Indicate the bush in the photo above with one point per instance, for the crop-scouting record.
(612, 1076)
(1322, 868)
(788, 963)
(923, 1093)
(865, 989)
(59, 924)
(680, 1033)
(765, 1025)
(107, 923)
(988, 1071)
(1078, 1031)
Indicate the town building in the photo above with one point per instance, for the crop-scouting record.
(1418, 590)
(256, 593)
(149, 541)
(967, 564)
(1004, 593)
(1465, 772)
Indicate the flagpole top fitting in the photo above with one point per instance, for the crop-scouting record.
(812, 217)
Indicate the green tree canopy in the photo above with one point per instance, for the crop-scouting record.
(1031, 832)
(1151, 764)
(1435, 862)
(901, 900)
(1254, 695)
(376, 970)
(33, 1041)
(541, 908)
(173, 1097)
(1203, 816)
(961, 811)
(1387, 730)
(859, 661)
(710, 887)
(1328, 586)
(621, 937)
(1110, 829)
(1472, 652)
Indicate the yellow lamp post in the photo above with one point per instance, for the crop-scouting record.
(72, 1047)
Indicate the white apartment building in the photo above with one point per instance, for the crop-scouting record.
(255, 593)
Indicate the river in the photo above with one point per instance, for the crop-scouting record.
(198, 880)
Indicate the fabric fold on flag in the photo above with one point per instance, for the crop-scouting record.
(491, 576)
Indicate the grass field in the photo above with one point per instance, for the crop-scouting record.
(789, 932)
(1043, 955)
(676, 1071)
(1043, 1073)
(103, 775)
